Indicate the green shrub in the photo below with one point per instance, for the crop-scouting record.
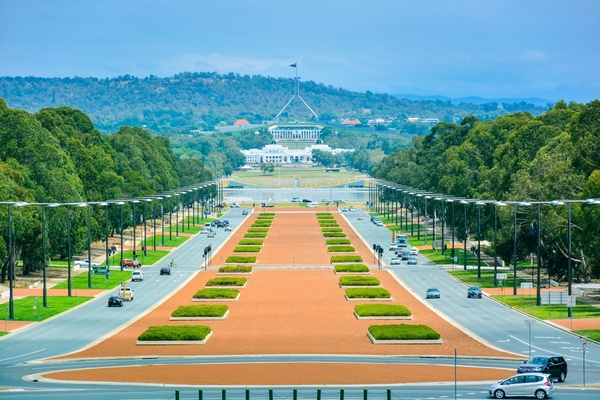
(258, 230)
(359, 281)
(235, 269)
(325, 217)
(240, 259)
(341, 249)
(341, 259)
(255, 235)
(175, 332)
(251, 242)
(331, 242)
(200, 311)
(265, 216)
(216, 294)
(323, 213)
(331, 230)
(382, 310)
(368, 293)
(261, 223)
(247, 249)
(327, 224)
(333, 234)
(229, 281)
(351, 268)
(403, 332)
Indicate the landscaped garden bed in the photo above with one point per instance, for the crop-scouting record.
(334, 242)
(346, 259)
(403, 334)
(261, 224)
(216, 295)
(240, 260)
(200, 312)
(341, 249)
(328, 224)
(351, 269)
(359, 281)
(381, 311)
(247, 249)
(255, 235)
(258, 230)
(251, 242)
(229, 281)
(368, 294)
(174, 335)
(331, 230)
(235, 269)
(334, 235)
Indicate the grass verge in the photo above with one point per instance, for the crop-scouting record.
(349, 258)
(175, 333)
(368, 293)
(236, 269)
(216, 294)
(403, 332)
(98, 281)
(24, 310)
(352, 268)
(226, 282)
(241, 259)
(359, 281)
(382, 310)
(200, 311)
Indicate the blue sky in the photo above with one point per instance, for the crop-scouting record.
(488, 48)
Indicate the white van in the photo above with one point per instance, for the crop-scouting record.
(312, 204)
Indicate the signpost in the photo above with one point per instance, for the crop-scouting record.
(530, 323)
(584, 348)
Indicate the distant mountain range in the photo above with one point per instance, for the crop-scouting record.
(475, 100)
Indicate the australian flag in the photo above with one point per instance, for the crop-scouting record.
(293, 65)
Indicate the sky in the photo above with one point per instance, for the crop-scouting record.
(548, 49)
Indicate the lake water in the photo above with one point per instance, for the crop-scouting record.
(281, 195)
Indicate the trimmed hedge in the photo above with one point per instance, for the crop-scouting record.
(359, 281)
(236, 269)
(324, 217)
(328, 224)
(216, 294)
(352, 268)
(200, 311)
(240, 259)
(341, 259)
(333, 234)
(175, 333)
(265, 216)
(265, 223)
(403, 332)
(251, 242)
(257, 230)
(247, 249)
(332, 230)
(382, 310)
(368, 293)
(331, 242)
(226, 282)
(341, 249)
(323, 213)
(255, 235)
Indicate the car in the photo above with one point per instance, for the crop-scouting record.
(235, 205)
(474, 292)
(344, 209)
(306, 200)
(360, 217)
(245, 212)
(115, 301)
(211, 233)
(131, 263)
(555, 366)
(126, 293)
(228, 228)
(137, 276)
(351, 209)
(404, 254)
(165, 270)
(412, 261)
(312, 204)
(414, 251)
(393, 246)
(530, 384)
(395, 261)
(432, 293)
(378, 223)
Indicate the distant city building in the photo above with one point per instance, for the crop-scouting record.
(430, 121)
(278, 154)
(296, 133)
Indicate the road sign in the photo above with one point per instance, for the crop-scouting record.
(501, 277)
(584, 346)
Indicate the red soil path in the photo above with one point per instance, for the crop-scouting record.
(291, 310)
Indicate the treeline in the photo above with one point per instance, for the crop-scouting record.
(203, 100)
(56, 155)
(518, 157)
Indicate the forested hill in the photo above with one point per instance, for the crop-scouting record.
(204, 100)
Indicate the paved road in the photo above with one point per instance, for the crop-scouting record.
(486, 318)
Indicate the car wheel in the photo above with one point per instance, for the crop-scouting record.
(499, 394)
(540, 394)
(562, 377)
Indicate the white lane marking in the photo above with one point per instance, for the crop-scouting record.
(23, 355)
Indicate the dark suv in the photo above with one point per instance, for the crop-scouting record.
(556, 366)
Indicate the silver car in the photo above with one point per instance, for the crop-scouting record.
(432, 293)
(531, 384)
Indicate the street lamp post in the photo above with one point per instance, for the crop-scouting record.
(419, 217)
(496, 205)
(479, 204)
(466, 236)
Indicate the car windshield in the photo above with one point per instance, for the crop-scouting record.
(536, 360)
(474, 288)
(433, 290)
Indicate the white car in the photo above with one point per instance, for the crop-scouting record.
(537, 385)
(414, 251)
(126, 293)
(395, 261)
(137, 276)
(393, 246)
(227, 228)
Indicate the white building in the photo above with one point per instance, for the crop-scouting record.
(278, 154)
(296, 132)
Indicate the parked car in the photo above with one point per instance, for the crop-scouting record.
(115, 301)
(555, 366)
(412, 261)
(137, 276)
(530, 384)
(131, 263)
(165, 270)
(474, 292)
(395, 261)
(432, 293)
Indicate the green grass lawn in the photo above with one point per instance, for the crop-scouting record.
(56, 304)
(98, 281)
(170, 241)
(590, 334)
(487, 278)
(527, 304)
(437, 257)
